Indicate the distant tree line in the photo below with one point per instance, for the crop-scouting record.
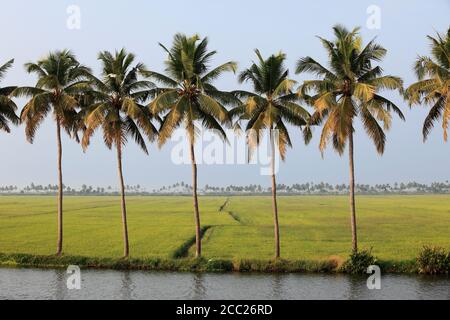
(33, 188)
(182, 188)
(321, 188)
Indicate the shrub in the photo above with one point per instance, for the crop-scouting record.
(433, 260)
(359, 261)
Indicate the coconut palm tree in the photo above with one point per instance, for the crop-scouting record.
(349, 88)
(7, 106)
(61, 78)
(269, 107)
(433, 87)
(189, 99)
(117, 109)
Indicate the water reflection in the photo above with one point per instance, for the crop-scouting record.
(126, 289)
(103, 284)
(198, 287)
(277, 287)
(354, 291)
(60, 284)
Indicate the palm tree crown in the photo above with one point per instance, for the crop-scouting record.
(61, 78)
(433, 87)
(7, 106)
(272, 103)
(348, 88)
(189, 95)
(118, 99)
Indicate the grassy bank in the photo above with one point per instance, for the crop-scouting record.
(313, 229)
(194, 265)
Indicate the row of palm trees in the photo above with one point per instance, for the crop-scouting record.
(130, 101)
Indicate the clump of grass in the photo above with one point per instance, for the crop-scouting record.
(281, 265)
(359, 261)
(219, 265)
(433, 260)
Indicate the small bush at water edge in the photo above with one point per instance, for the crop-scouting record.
(433, 260)
(359, 261)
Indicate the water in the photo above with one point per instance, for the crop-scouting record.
(101, 284)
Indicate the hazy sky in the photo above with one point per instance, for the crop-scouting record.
(32, 28)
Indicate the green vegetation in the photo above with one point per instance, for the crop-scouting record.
(184, 265)
(433, 260)
(315, 230)
(358, 262)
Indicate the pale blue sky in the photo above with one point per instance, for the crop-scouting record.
(31, 28)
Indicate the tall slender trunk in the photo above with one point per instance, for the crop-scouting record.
(274, 199)
(198, 240)
(59, 245)
(126, 248)
(352, 193)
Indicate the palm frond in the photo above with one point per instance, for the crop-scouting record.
(5, 67)
(433, 116)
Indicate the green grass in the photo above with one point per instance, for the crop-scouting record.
(312, 227)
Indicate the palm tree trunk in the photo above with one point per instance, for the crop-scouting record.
(60, 191)
(126, 248)
(198, 240)
(274, 199)
(352, 193)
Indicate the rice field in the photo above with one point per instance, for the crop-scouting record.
(311, 227)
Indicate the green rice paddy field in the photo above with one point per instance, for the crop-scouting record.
(312, 227)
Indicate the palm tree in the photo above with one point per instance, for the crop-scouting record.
(116, 108)
(269, 106)
(7, 106)
(61, 78)
(190, 99)
(433, 87)
(350, 88)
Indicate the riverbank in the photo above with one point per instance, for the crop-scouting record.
(196, 265)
